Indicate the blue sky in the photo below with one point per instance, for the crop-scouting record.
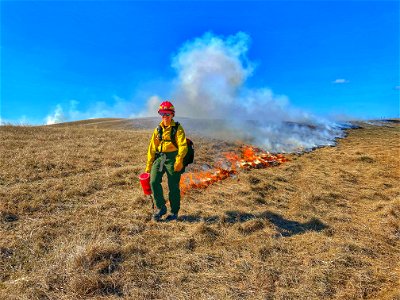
(108, 58)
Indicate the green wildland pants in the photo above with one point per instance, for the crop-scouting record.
(166, 161)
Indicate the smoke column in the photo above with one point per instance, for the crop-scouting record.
(211, 84)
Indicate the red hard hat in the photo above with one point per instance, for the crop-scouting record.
(166, 107)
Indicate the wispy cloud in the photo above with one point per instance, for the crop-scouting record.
(340, 81)
(119, 108)
(22, 121)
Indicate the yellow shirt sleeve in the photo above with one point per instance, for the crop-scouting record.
(151, 152)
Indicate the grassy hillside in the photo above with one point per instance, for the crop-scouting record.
(75, 225)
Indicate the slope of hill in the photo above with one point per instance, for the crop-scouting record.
(75, 225)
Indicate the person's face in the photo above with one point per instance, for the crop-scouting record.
(166, 118)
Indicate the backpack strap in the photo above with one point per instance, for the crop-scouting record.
(174, 130)
(160, 132)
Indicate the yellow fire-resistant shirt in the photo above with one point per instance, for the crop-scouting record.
(166, 145)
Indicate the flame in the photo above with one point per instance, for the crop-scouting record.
(250, 157)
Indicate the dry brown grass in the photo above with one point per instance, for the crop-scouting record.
(74, 223)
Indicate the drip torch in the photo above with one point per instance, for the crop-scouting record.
(145, 182)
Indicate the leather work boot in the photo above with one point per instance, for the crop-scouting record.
(171, 217)
(159, 214)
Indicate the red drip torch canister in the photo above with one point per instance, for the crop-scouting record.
(145, 182)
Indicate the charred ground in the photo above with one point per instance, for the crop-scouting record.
(74, 223)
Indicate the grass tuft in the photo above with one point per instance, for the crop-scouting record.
(367, 159)
(251, 226)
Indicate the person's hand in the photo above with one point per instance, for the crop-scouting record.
(178, 166)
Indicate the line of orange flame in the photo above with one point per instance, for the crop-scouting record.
(250, 157)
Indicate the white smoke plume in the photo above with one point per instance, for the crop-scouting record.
(211, 84)
(151, 106)
(56, 117)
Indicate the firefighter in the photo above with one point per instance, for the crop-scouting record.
(165, 157)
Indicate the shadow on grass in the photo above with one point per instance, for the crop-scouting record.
(285, 227)
(288, 227)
